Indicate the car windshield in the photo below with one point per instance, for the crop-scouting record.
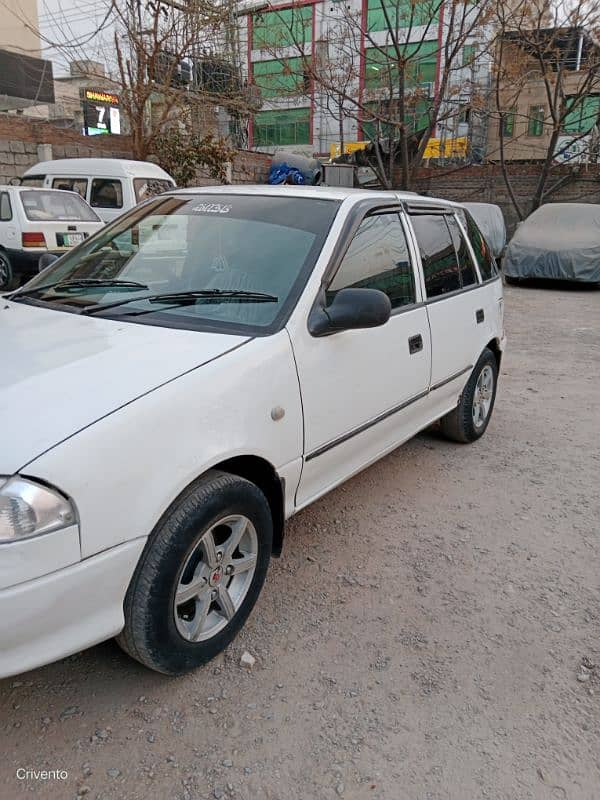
(231, 262)
(56, 206)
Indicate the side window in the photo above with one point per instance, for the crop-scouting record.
(482, 250)
(78, 185)
(5, 209)
(106, 193)
(438, 255)
(378, 258)
(468, 274)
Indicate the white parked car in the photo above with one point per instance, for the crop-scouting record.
(196, 373)
(38, 221)
(110, 185)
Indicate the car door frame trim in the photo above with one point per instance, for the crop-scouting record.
(383, 416)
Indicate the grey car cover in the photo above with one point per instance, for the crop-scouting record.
(559, 240)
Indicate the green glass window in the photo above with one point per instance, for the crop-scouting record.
(507, 122)
(289, 76)
(289, 126)
(583, 113)
(536, 121)
(416, 116)
(401, 14)
(282, 28)
(469, 54)
(381, 69)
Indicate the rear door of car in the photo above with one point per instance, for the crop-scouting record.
(454, 295)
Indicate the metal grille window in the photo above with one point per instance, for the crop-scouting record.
(282, 127)
(536, 120)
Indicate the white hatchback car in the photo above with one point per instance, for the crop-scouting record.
(38, 221)
(215, 360)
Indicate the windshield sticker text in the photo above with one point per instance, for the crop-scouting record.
(212, 208)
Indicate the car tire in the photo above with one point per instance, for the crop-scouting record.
(6, 273)
(194, 586)
(469, 420)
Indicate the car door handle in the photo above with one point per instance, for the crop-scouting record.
(415, 344)
(479, 315)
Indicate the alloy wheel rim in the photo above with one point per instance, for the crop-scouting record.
(482, 397)
(215, 578)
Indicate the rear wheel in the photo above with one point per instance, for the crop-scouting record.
(6, 274)
(469, 420)
(199, 576)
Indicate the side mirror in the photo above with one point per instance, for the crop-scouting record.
(350, 309)
(46, 260)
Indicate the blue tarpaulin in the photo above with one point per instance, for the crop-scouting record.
(282, 173)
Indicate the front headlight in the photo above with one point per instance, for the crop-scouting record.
(29, 509)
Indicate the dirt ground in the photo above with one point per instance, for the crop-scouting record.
(430, 632)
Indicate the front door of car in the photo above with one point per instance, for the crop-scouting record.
(361, 388)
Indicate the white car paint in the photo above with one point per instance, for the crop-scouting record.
(122, 417)
(14, 222)
(124, 172)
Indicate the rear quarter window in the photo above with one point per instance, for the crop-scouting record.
(482, 250)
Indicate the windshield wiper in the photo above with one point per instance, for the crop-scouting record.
(80, 283)
(189, 298)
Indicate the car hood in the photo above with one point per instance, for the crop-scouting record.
(60, 372)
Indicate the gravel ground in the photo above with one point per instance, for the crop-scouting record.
(430, 632)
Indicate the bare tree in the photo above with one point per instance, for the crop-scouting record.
(403, 73)
(160, 49)
(547, 88)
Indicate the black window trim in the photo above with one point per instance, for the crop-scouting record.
(10, 208)
(356, 216)
(117, 180)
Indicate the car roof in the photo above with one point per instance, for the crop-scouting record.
(21, 188)
(103, 167)
(318, 193)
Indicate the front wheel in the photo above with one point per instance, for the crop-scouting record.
(469, 420)
(199, 575)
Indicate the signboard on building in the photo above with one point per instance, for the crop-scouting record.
(101, 113)
(447, 148)
(24, 81)
(335, 149)
(572, 150)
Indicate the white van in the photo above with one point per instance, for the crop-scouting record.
(110, 185)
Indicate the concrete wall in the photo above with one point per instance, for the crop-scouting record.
(486, 185)
(23, 143)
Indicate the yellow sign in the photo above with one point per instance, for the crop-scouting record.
(349, 147)
(101, 97)
(449, 148)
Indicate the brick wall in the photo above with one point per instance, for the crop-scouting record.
(21, 144)
(486, 185)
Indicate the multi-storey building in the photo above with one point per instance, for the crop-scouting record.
(351, 45)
